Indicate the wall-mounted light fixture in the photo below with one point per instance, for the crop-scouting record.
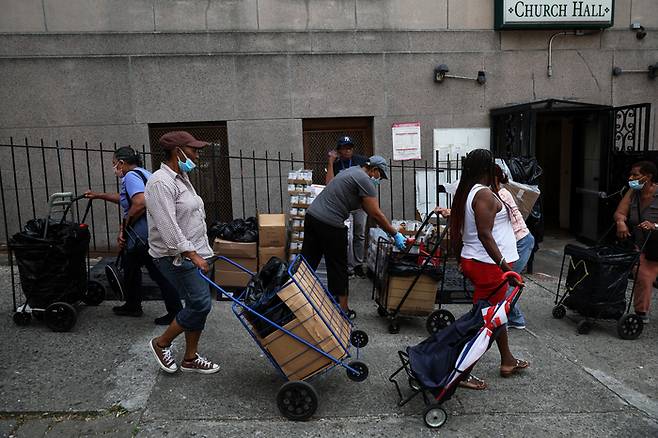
(441, 73)
(640, 32)
(652, 70)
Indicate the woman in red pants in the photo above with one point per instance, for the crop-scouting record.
(483, 239)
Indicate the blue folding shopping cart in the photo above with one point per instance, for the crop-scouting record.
(303, 334)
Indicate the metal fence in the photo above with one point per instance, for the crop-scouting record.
(234, 185)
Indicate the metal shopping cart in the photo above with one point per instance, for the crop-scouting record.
(53, 266)
(435, 367)
(303, 332)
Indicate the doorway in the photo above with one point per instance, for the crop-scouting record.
(585, 151)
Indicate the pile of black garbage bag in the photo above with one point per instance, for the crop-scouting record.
(51, 268)
(238, 230)
(261, 296)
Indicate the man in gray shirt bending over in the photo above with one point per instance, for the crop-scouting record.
(325, 233)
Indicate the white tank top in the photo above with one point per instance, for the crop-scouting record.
(503, 233)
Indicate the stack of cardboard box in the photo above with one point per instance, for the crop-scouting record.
(317, 321)
(301, 196)
(244, 254)
(272, 237)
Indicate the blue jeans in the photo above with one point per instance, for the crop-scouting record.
(193, 289)
(524, 248)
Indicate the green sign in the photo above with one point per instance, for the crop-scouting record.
(553, 14)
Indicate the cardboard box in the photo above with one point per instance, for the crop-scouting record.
(317, 320)
(525, 196)
(231, 278)
(250, 264)
(235, 249)
(266, 253)
(297, 360)
(272, 230)
(420, 300)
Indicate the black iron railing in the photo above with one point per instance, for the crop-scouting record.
(234, 185)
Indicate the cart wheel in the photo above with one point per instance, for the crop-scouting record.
(434, 416)
(22, 318)
(438, 320)
(584, 327)
(382, 312)
(394, 327)
(95, 293)
(361, 371)
(60, 317)
(559, 311)
(297, 400)
(359, 338)
(630, 326)
(414, 384)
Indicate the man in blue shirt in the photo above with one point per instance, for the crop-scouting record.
(340, 159)
(133, 236)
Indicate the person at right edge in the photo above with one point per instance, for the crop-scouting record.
(637, 215)
(341, 159)
(325, 233)
(178, 243)
(483, 240)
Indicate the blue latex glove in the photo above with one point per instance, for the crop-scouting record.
(400, 241)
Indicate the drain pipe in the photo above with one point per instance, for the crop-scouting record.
(549, 69)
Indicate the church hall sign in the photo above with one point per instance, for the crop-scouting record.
(553, 14)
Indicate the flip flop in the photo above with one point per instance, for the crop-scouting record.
(518, 366)
(473, 382)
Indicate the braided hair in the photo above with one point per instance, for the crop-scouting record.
(477, 164)
(128, 155)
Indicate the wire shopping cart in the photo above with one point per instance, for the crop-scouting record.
(303, 335)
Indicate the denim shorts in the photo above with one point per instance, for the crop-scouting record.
(191, 288)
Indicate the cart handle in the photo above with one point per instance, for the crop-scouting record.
(515, 275)
(420, 229)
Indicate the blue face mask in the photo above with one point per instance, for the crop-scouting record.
(635, 184)
(186, 166)
(375, 181)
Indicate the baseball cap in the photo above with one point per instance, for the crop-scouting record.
(380, 163)
(175, 139)
(344, 141)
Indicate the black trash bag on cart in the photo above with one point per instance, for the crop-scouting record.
(597, 279)
(409, 267)
(54, 268)
(261, 295)
(238, 230)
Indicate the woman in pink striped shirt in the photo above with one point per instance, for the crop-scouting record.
(525, 242)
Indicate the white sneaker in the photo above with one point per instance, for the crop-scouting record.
(199, 365)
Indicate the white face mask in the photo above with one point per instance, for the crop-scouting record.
(117, 172)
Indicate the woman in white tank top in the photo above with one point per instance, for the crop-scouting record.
(483, 238)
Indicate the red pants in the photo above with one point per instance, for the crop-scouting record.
(486, 277)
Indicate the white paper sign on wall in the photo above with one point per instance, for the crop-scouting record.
(406, 141)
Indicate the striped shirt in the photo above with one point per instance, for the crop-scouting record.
(175, 215)
(518, 224)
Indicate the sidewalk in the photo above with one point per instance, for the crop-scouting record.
(100, 379)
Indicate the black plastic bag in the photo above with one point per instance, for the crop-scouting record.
(525, 170)
(261, 295)
(597, 279)
(409, 267)
(54, 268)
(238, 230)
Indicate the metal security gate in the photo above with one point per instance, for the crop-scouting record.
(213, 178)
(320, 137)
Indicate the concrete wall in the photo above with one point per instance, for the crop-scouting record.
(103, 73)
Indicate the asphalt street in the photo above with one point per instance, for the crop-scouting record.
(100, 379)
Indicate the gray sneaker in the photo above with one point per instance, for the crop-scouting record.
(164, 356)
(644, 317)
(199, 365)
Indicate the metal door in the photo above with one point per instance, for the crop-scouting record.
(212, 180)
(321, 135)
